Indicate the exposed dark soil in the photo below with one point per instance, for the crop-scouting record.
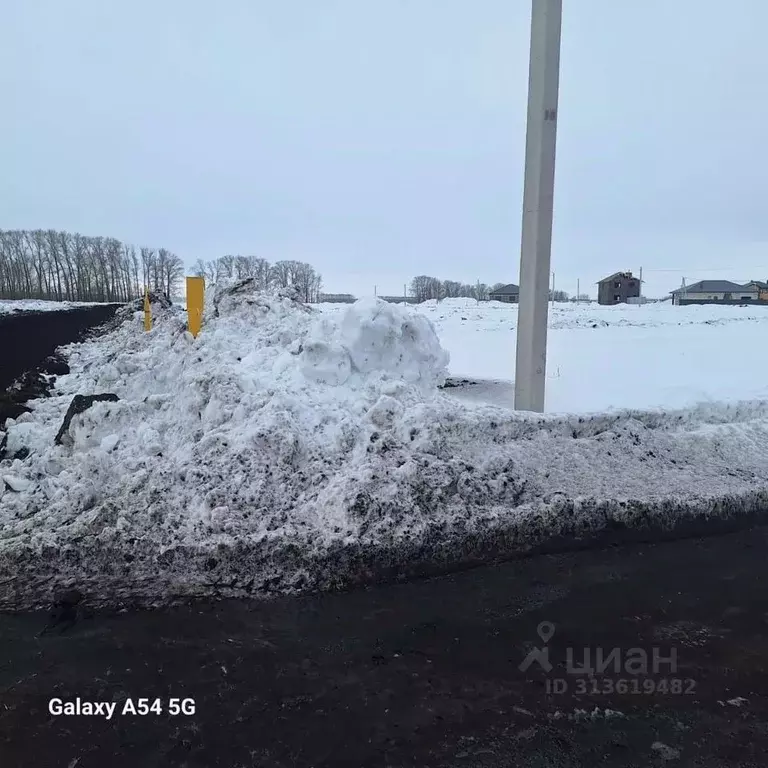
(419, 674)
(451, 383)
(27, 338)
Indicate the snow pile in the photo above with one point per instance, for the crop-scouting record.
(232, 436)
(291, 449)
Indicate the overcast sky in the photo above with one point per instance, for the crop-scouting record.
(380, 139)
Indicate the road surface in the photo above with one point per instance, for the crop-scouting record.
(426, 673)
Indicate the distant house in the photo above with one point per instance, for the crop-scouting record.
(719, 292)
(617, 288)
(509, 293)
(762, 289)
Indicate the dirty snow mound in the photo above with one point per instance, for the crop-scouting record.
(226, 437)
(289, 449)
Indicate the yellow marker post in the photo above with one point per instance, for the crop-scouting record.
(147, 311)
(195, 295)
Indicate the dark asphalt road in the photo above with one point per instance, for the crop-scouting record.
(420, 674)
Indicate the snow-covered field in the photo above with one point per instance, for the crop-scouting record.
(599, 358)
(291, 448)
(38, 305)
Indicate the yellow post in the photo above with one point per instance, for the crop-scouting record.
(147, 311)
(195, 295)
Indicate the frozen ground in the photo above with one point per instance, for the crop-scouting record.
(289, 448)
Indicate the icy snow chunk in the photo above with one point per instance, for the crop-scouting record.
(17, 484)
(325, 363)
(387, 338)
(159, 400)
(385, 411)
(108, 375)
(149, 439)
(110, 442)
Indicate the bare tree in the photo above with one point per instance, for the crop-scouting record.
(260, 271)
(280, 274)
(425, 287)
(306, 281)
(242, 267)
(226, 267)
(450, 289)
(172, 271)
(47, 264)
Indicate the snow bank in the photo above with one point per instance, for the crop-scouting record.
(8, 306)
(290, 449)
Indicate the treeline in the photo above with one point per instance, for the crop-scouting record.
(60, 266)
(424, 287)
(281, 274)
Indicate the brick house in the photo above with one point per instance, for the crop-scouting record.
(617, 288)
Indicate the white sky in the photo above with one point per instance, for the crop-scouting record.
(380, 139)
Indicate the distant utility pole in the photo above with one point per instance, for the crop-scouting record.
(374, 290)
(405, 295)
(553, 289)
(578, 292)
(538, 202)
(641, 282)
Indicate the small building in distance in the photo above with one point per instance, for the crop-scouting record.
(509, 293)
(762, 289)
(720, 292)
(617, 288)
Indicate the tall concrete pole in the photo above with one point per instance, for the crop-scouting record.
(538, 198)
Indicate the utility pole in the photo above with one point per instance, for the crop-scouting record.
(538, 201)
(405, 295)
(578, 292)
(553, 289)
(374, 290)
(641, 282)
